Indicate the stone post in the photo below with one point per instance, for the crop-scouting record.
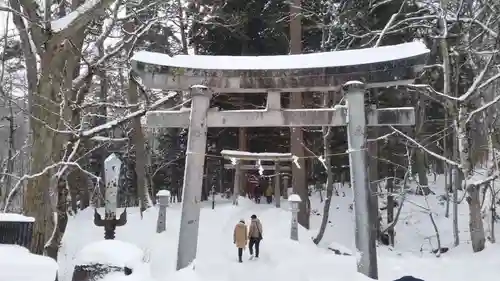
(356, 139)
(163, 198)
(112, 166)
(294, 201)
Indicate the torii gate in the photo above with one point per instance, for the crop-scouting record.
(278, 168)
(238, 156)
(352, 70)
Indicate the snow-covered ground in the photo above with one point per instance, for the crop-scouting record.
(18, 264)
(283, 259)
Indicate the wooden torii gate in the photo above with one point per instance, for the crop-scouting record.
(351, 70)
(238, 156)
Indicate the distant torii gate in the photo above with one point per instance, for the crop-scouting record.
(352, 70)
(247, 167)
(238, 156)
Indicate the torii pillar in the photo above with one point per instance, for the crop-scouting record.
(193, 175)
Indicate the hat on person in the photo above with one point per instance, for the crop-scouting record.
(242, 220)
(253, 217)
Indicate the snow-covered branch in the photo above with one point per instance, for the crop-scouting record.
(111, 124)
(41, 173)
(440, 157)
(79, 18)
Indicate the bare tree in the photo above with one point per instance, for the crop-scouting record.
(326, 161)
(60, 67)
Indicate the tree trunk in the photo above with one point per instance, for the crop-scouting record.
(476, 227)
(493, 212)
(9, 169)
(457, 185)
(40, 196)
(420, 167)
(140, 151)
(492, 165)
(329, 183)
(390, 205)
(61, 217)
(49, 83)
(374, 176)
(204, 187)
(446, 173)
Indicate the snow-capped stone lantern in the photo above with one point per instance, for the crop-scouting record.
(163, 198)
(112, 166)
(294, 201)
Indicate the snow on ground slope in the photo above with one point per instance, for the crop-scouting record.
(415, 233)
(282, 259)
(18, 264)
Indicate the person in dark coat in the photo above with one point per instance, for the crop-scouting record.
(257, 194)
(253, 182)
(254, 235)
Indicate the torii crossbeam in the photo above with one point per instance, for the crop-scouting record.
(352, 70)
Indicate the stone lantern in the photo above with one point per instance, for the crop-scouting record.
(294, 201)
(163, 198)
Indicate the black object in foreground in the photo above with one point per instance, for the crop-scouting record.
(110, 224)
(408, 278)
(16, 232)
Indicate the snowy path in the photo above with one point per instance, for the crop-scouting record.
(281, 258)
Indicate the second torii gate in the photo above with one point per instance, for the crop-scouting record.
(238, 156)
(352, 70)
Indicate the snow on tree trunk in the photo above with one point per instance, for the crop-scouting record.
(46, 149)
(329, 182)
(138, 139)
(492, 165)
(476, 227)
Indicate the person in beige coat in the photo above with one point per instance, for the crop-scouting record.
(240, 238)
(255, 235)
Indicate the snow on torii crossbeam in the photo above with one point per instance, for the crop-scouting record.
(354, 70)
(376, 67)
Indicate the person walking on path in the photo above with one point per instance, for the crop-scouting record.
(253, 182)
(257, 194)
(269, 192)
(255, 235)
(240, 238)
